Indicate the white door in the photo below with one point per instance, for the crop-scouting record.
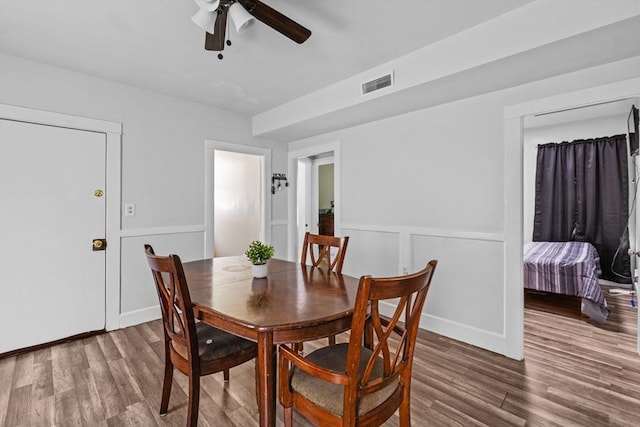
(304, 217)
(51, 279)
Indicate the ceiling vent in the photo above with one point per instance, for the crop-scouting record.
(377, 84)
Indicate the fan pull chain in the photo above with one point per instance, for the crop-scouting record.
(228, 43)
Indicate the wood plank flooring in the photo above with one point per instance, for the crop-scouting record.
(575, 373)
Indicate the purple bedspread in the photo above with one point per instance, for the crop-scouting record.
(568, 268)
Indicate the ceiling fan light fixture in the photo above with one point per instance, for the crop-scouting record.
(205, 19)
(208, 5)
(240, 17)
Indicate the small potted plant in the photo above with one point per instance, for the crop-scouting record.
(258, 254)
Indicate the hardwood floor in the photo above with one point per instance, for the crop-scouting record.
(575, 373)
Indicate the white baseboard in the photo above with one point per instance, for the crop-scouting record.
(468, 334)
(136, 317)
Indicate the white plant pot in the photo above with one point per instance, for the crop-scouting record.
(259, 271)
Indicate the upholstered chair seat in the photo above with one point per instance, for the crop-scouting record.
(214, 344)
(330, 396)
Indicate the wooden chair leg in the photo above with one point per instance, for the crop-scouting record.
(257, 381)
(226, 375)
(288, 417)
(166, 383)
(405, 409)
(194, 400)
(298, 347)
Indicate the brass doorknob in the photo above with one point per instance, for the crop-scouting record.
(98, 193)
(99, 244)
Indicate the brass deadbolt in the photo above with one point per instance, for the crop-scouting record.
(98, 193)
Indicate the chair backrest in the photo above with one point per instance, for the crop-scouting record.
(175, 302)
(391, 340)
(318, 248)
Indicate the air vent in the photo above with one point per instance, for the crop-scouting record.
(377, 84)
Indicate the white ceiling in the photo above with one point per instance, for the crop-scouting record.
(153, 44)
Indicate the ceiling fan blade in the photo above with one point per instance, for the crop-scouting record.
(276, 20)
(216, 41)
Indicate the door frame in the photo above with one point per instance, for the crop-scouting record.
(303, 189)
(513, 144)
(295, 241)
(113, 169)
(210, 147)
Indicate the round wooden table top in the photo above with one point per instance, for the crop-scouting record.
(291, 296)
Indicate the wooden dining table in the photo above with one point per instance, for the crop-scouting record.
(294, 303)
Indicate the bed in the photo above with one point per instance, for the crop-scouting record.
(567, 268)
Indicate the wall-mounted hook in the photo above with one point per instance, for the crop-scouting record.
(279, 177)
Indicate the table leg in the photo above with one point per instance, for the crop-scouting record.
(267, 379)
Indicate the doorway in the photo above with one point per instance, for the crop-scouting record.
(237, 202)
(322, 193)
(514, 130)
(316, 191)
(237, 214)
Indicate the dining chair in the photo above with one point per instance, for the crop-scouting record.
(318, 249)
(362, 382)
(194, 348)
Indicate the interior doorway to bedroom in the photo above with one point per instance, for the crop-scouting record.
(561, 318)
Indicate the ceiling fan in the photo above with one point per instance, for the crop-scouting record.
(212, 17)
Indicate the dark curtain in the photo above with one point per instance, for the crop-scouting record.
(582, 193)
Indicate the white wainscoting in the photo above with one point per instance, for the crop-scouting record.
(139, 300)
(279, 238)
(466, 300)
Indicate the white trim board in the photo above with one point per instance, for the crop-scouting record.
(582, 98)
(427, 231)
(113, 132)
(29, 115)
(179, 229)
(156, 231)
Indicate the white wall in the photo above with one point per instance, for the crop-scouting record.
(163, 153)
(584, 129)
(430, 184)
